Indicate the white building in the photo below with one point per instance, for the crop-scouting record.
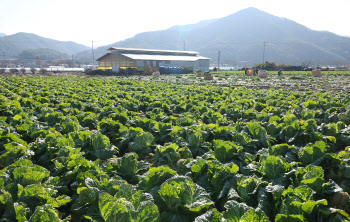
(156, 60)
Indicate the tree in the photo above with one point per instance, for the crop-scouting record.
(23, 70)
(33, 70)
(43, 71)
(305, 64)
(269, 66)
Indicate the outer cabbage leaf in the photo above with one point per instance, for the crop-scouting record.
(291, 131)
(289, 118)
(273, 128)
(128, 205)
(44, 213)
(128, 167)
(312, 176)
(21, 212)
(181, 191)
(157, 175)
(170, 154)
(30, 175)
(278, 149)
(70, 125)
(310, 125)
(142, 144)
(102, 148)
(36, 195)
(219, 174)
(88, 195)
(195, 139)
(312, 152)
(273, 167)
(235, 210)
(310, 206)
(242, 139)
(289, 218)
(170, 216)
(331, 129)
(12, 153)
(113, 211)
(170, 196)
(257, 132)
(254, 215)
(224, 150)
(99, 141)
(210, 216)
(245, 188)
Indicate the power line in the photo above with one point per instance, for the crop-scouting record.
(58, 42)
(233, 43)
(193, 41)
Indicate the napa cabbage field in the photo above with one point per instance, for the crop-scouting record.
(111, 149)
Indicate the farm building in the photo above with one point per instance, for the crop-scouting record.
(165, 61)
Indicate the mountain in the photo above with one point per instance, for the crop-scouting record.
(14, 45)
(45, 54)
(241, 38)
(2, 34)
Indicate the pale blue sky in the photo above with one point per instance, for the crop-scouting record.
(108, 21)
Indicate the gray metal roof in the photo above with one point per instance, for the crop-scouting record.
(151, 50)
(163, 57)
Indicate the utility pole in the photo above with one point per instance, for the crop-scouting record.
(219, 61)
(3, 54)
(93, 56)
(184, 45)
(72, 60)
(264, 53)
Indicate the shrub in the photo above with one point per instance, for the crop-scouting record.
(43, 71)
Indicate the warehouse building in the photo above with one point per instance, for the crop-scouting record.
(142, 60)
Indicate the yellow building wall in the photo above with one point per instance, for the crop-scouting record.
(115, 59)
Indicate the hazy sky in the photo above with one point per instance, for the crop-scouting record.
(109, 21)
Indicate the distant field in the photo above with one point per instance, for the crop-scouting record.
(287, 72)
(334, 83)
